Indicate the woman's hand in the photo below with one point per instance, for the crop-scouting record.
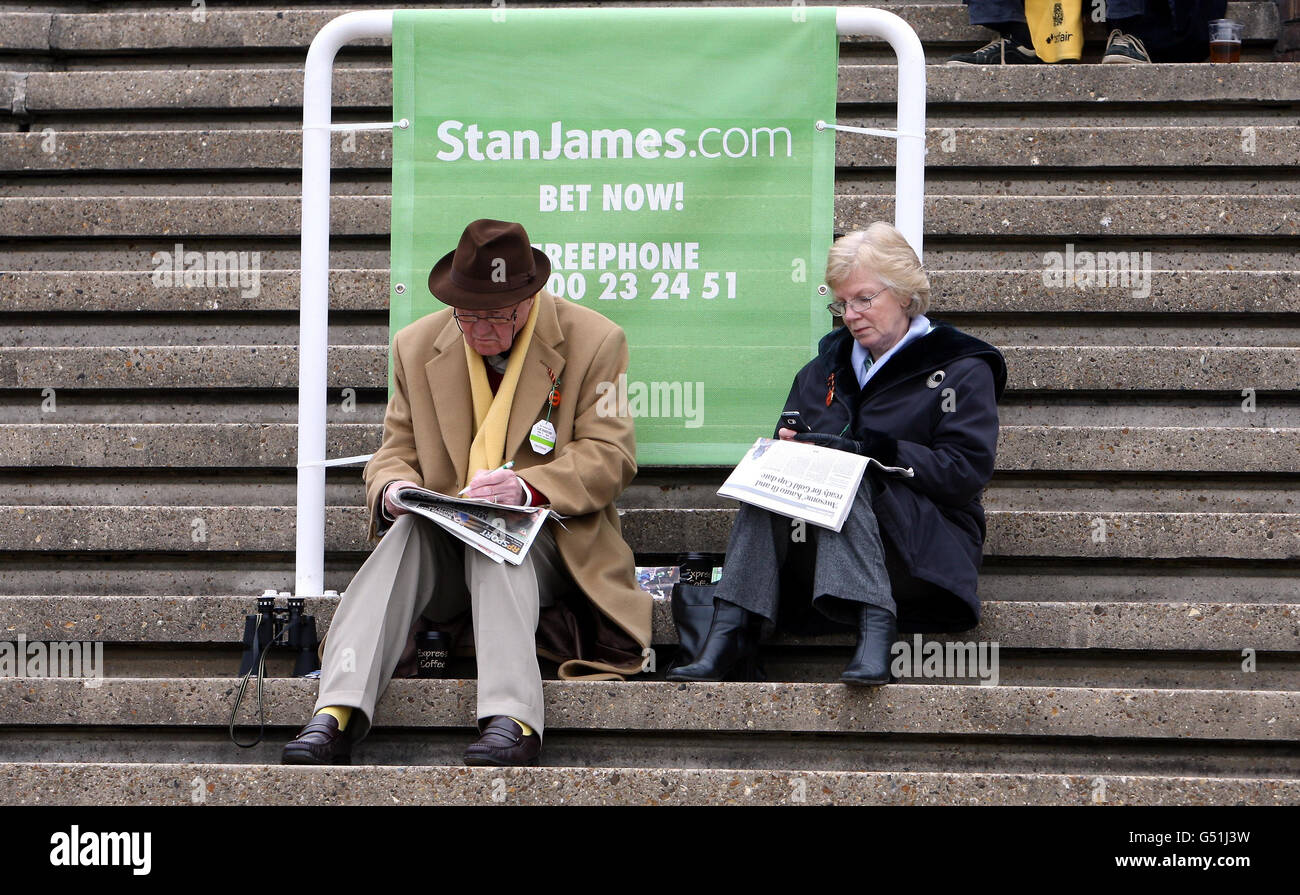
(835, 442)
(871, 443)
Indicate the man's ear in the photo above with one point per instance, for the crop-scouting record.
(522, 319)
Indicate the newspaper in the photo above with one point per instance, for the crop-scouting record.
(658, 581)
(801, 480)
(501, 532)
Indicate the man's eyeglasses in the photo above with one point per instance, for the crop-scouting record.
(464, 320)
(860, 304)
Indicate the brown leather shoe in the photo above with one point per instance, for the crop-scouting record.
(319, 742)
(503, 744)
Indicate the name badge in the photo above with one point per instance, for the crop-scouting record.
(542, 438)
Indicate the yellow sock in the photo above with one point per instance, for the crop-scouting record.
(528, 731)
(341, 714)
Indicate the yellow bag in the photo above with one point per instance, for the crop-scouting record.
(1057, 29)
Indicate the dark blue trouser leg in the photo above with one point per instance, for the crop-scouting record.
(992, 12)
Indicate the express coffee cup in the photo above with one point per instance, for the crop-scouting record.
(432, 653)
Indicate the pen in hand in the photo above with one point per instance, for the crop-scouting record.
(509, 464)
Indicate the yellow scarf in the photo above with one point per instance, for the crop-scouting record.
(492, 412)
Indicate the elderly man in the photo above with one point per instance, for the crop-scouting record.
(508, 372)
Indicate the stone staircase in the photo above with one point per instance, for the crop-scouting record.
(147, 457)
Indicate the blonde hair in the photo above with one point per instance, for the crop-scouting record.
(883, 251)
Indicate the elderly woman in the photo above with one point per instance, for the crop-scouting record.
(892, 385)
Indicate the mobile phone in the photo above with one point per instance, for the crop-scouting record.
(791, 419)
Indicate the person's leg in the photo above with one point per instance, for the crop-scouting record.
(756, 551)
(996, 14)
(1124, 11)
(749, 592)
(506, 601)
(1016, 30)
(1013, 46)
(1129, 27)
(851, 586)
(414, 564)
(851, 564)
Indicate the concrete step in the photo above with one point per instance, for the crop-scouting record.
(1190, 181)
(1030, 368)
(78, 34)
(191, 152)
(667, 490)
(980, 254)
(1086, 409)
(1220, 331)
(824, 663)
(1015, 625)
(1010, 579)
(250, 329)
(1018, 217)
(1231, 292)
(1011, 533)
(1154, 714)
(82, 783)
(274, 446)
(1232, 116)
(735, 750)
(1105, 216)
(123, 92)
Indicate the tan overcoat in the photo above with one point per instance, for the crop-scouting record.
(427, 432)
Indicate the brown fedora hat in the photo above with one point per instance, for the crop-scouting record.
(494, 266)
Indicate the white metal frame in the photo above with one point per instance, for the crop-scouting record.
(313, 349)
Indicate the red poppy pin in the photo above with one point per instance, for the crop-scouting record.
(554, 397)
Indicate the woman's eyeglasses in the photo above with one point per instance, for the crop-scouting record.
(859, 304)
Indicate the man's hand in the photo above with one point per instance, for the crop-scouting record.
(786, 434)
(498, 486)
(390, 491)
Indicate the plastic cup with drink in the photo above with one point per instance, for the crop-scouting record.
(1225, 41)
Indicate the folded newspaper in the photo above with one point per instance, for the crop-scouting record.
(801, 480)
(497, 530)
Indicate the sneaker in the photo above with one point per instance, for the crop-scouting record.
(999, 51)
(1121, 47)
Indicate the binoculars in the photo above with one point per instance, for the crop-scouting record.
(283, 627)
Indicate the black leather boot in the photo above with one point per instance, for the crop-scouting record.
(877, 631)
(730, 650)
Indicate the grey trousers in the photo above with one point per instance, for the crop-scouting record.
(417, 568)
(848, 565)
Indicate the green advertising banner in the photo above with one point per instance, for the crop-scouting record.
(667, 162)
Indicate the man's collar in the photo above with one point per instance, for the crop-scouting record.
(546, 330)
